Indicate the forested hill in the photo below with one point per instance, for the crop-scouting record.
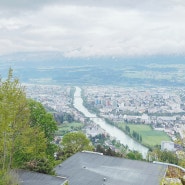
(54, 68)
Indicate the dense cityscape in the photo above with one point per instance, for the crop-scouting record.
(161, 108)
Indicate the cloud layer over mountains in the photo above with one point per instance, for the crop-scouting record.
(93, 27)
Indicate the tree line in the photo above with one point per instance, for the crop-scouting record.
(26, 131)
(134, 134)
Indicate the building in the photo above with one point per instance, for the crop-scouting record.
(33, 178)
(91, 168)
(167, 145)
(88, 168)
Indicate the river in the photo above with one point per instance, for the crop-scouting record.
(110, 129)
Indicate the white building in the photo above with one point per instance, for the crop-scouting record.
(167, 145)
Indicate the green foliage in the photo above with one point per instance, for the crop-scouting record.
(136, 136)
(22, 141)
(147, 135)
(7, 178)
(40, 118)
(127, 129)
(63, 117)
(163, 156)
(165, 181)
(169, 157)
(135, 155)
(33, 146)
(66, 183)
(14, 116)
(68, 127)
(108, 151)
(75, 142)
(100, 138)
(183, 180)
(41, 165)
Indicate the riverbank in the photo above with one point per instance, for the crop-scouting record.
(141, 133)
(94, 110)
(111, 130)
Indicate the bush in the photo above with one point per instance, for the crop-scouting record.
(183, 180)
(8, 178)
(41, 165)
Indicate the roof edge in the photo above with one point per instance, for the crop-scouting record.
(86, 151)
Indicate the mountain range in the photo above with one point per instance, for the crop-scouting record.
(54, 68)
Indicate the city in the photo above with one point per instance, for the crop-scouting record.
(161, 108)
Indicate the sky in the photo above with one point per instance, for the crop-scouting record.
(85, 28)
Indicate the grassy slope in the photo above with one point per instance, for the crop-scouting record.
(149, 136)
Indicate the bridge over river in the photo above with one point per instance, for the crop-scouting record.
(110, 129)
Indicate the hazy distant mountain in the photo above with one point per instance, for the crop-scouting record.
(54, 68)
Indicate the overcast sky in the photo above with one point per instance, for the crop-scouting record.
(93, 27)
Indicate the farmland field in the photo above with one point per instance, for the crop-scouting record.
(149, 136)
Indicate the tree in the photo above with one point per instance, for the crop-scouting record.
(40, 118)
(15, 146)
(31, 145)
(127, 128)
(10, 178)
(140, 138)
(110, 152)
(14, 116)
(74, 142)
(19, 142)
(164, 156)
(100, 149)
(135, 155)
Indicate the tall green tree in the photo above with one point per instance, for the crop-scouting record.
(20, 143)
(74, 142)
(14, 117)
(40, 118)
(14, 124)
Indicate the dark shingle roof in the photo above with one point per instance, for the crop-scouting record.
(90, 169)
(33, 178)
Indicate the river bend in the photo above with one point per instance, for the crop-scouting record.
(110, 129)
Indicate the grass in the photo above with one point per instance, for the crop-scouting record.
(150, 137)
(68, 127)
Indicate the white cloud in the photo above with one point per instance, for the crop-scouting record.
(91, 28)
